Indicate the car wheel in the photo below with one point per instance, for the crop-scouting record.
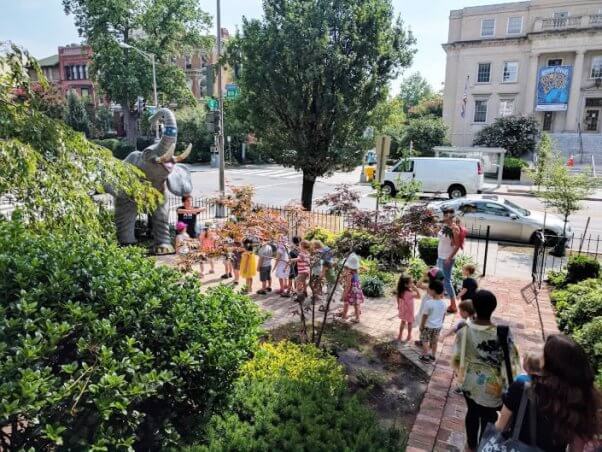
(456, 191)
(388, 189)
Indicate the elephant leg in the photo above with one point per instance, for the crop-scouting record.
(125, 220)
(161, 238)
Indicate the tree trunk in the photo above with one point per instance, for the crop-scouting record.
(130, 123)
(307, 191)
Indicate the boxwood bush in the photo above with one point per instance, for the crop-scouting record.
(427, 248)
(102, 349)
(578, 304)
(580, 268)
(357, 241)
(373, 286)
(327, 237)
(293, 398)
(512, 168)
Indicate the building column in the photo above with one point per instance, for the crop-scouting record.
(531, 84)
(572, 113)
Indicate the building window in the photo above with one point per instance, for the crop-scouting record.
(67, 73)
(506, 107)
(80, 70)
(480, 111)
(484, 73)
(515, 25)
(510, 72)
(85, 92)
(487, 27)
(596, 67)
(188, 62)
(555, 62)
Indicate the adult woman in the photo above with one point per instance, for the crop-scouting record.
(449, 244)
(566, 401)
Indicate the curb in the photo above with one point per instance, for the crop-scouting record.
(531, 194)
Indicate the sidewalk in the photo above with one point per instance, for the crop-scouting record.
(509, 189)
(439, 425)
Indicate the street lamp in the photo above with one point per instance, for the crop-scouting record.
(149, 57)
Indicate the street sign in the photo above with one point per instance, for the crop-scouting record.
(383, 145)
(212, 104)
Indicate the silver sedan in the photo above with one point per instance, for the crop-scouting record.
(507, 221)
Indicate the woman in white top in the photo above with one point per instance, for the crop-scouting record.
(449, 244)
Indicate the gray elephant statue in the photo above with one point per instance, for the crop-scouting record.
(161, 168)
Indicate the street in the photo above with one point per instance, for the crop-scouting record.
(277, 185)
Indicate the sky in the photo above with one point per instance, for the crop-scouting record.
(41, 26)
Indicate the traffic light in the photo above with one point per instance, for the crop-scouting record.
(213, 121)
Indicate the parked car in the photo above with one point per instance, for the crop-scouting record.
(507, 220)
(455, 176)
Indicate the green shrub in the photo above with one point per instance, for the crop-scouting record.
(427, 248)
(103, 349)
(557, 278)
(425, 134)
(578, 304)
(590, 338)
(142, 143)
(417, 268)
(327, 237)
(109, 143)
(373, 286)
(371, 267)
(120, 148)
(517, 134)
(581, 267)
(512, 168)
(392, 254)
(359, 242)
(292, 398)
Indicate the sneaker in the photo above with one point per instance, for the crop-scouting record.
(225, 276)
(425, 359)
(235, 283)
(269, 289)
(229, 275)
(261, 292)
(458, 390)
(418, 343)
(431, 358)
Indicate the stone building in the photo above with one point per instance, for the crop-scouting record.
(539, 57)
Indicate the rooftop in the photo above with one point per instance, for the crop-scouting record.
(52, 60)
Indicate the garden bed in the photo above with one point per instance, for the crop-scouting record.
(384, 379)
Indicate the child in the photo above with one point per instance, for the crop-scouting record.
(432, 321)
(264, 267)
(467, 312)
(406, 293)
(432, 274)
(328, 271)
(248, 265)
(352, 289)
(303, 269)
(207, 242)
(469, 284)
(228, 260)
(236, 258)
(293, 254)
(281, 268)
(182, 239)
(315, 281)
(531, 366)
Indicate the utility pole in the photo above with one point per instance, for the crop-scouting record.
(220, 136)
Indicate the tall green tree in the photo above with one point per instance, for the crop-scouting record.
(165, 28)
(414, 89)
(77, 115)
(312, 72)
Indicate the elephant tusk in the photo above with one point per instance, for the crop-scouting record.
(168, 156)
(184, 155)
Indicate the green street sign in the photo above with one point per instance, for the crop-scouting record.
(212, 104)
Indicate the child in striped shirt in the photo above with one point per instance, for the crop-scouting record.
(303, 267)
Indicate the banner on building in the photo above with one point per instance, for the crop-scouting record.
(553, 88)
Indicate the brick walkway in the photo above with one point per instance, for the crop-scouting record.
(439, 425)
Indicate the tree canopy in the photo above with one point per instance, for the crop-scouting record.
(47, 170)
(165, 28)
(312, 72)
(414, 89)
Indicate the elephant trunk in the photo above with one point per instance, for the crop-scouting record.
(164, 149)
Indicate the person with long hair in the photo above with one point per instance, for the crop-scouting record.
(566, 401)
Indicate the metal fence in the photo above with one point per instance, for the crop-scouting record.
(550, 255)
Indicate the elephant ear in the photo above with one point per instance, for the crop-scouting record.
(179, 181)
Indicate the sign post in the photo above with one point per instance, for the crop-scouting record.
(383, 146)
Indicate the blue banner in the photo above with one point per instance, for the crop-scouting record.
(553, 88)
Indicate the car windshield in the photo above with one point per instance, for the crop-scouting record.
(523, 212)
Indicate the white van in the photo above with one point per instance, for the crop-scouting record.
(455, 176)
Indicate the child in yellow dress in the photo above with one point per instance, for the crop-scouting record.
(248, 265)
